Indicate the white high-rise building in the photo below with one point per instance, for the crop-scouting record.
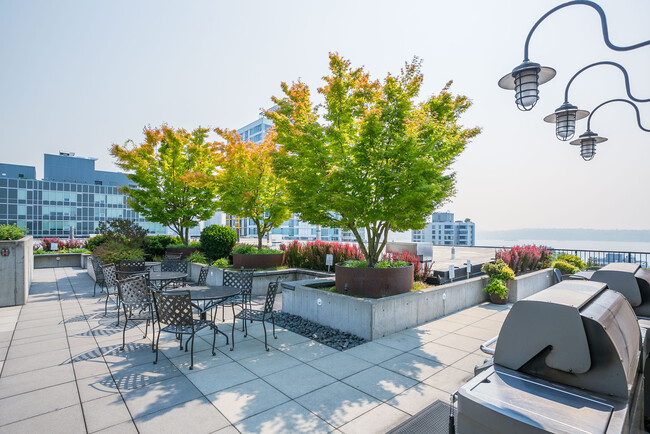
(444, 231)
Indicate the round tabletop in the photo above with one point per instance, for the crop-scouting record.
(207, 292)
(166, 275)
(151, 264)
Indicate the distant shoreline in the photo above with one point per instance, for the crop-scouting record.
(633, 236)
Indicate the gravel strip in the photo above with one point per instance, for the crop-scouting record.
(329, 336)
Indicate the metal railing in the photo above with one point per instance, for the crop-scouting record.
(604, 257)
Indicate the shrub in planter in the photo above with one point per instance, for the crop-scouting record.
(313, 254)
(498, 274)
(386, 278)
(221, 263)
(247, 249)
(98, 240)
(217, 241)
(112, 251)
(155, 245)
(247, 256)
(420, 271)
(198, 257)
(525, 258)
(565, 267)
(572, 259)
(11, 232)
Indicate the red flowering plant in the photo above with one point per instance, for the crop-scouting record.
(420, 270)
(525, 258)
(313, 254)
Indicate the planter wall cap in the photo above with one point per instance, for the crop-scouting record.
(292, 285)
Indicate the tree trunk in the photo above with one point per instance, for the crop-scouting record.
(260, 235)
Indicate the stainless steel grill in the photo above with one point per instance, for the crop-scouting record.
(567, 360)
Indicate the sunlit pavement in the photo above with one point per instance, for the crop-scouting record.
(62, 370)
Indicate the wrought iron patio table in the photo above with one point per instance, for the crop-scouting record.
(209, 296)
(164, 278)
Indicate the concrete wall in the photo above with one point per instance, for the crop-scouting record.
(530, 283)
(50, 260)
(16, 271)
(375, 318)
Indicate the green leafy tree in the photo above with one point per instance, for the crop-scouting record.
(377, 160)
(248, 187)
(174, 175)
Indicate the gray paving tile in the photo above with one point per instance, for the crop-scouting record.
(373, 352)
(202, 360)
(460, 342)
(247, 348)
(95, 387)
(161, 395)
(34, 380)
(145, 374)
(477, 332)
(418, 397)
(19, 407)
(35, 348)
(105, 412)
(36, 361)
(289, 417)
(122, 428)
(298, 380)
(412, 366)
(286, 339)
(3, 352)
(400, 341)
(449, 379)
(198, 415)
(247, 399)
(340, 364)
(65, 421)
(470, 361)
(269, 362)
(58, 330)
(220, 377)
(439, 353)
(379, 382)
(308, 351)
(84, 368)
(338, 403)
(377, 421)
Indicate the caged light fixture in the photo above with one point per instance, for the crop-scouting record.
(566, 115)
(588, 140)
(526, 78)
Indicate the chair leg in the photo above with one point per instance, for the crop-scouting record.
(118, 313)
(94, 287)
(232, 332)
(214, 339)
(245, 327)
(191, 353)
(126, 321)
(146, 329)
(153, 332)
(106, 303)
(273, 322)
(266, 345)
(157, 341)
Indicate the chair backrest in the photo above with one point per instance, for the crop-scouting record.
(122, 275)
(173, 256)
(110, 278)
(131, 265)
(174, 309)
(98, 269)
(239, 279)
(134, 291)
(270, 296)
(174, 265)
(203, 275)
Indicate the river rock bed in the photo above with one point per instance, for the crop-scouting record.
(329, 336)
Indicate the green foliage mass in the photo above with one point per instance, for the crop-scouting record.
(129, 230)
(174, 175)
(217, 241)
(565, 267)
(221, 263)
(112, 250)
(497, 287)
(380, 264)
(247, 249)
(377, 159)
(155, 245)
(198, 257)
(11, 232)
(98, 240)
(572, 259)
(498, 270)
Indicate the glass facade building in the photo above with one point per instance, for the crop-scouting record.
(444, 231)
(72, 194)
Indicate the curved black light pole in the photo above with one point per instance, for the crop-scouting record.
(588, 140)
(566, 115)
(526, 78)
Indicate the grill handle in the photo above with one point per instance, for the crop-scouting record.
(485, 346)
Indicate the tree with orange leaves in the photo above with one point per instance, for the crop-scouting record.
(174, 173)
(247, 186)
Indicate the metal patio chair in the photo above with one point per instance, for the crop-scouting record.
(174, 311)
(99, 275)
(262, 315)
(137, 303)
(110, 284)
(176, 266)
(243, 280)
(130, 265)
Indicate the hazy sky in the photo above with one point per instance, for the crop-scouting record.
(80, 76)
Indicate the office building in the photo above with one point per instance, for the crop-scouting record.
(444, 231)
(72, 194)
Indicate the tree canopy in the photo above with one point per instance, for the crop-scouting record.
(174, 176)
(247, 184)
(377, 159)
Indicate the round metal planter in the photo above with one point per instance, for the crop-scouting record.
(257, 261)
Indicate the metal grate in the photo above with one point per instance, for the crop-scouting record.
(432, 420)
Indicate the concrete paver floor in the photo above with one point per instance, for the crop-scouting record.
(62, 370)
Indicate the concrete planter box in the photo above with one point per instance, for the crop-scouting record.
(270, 260)
(16, 270)
(530, 283)
(53, 260)
(375, 318)
(261, 279)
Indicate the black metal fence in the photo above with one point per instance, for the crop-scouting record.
(604, 257)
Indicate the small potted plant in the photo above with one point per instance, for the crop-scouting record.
(498, 274)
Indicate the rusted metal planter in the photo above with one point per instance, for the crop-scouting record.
(374, 282)
(260, 261)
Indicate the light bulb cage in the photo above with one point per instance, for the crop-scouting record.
(525, 80)
(565, 118)
(587, 142)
